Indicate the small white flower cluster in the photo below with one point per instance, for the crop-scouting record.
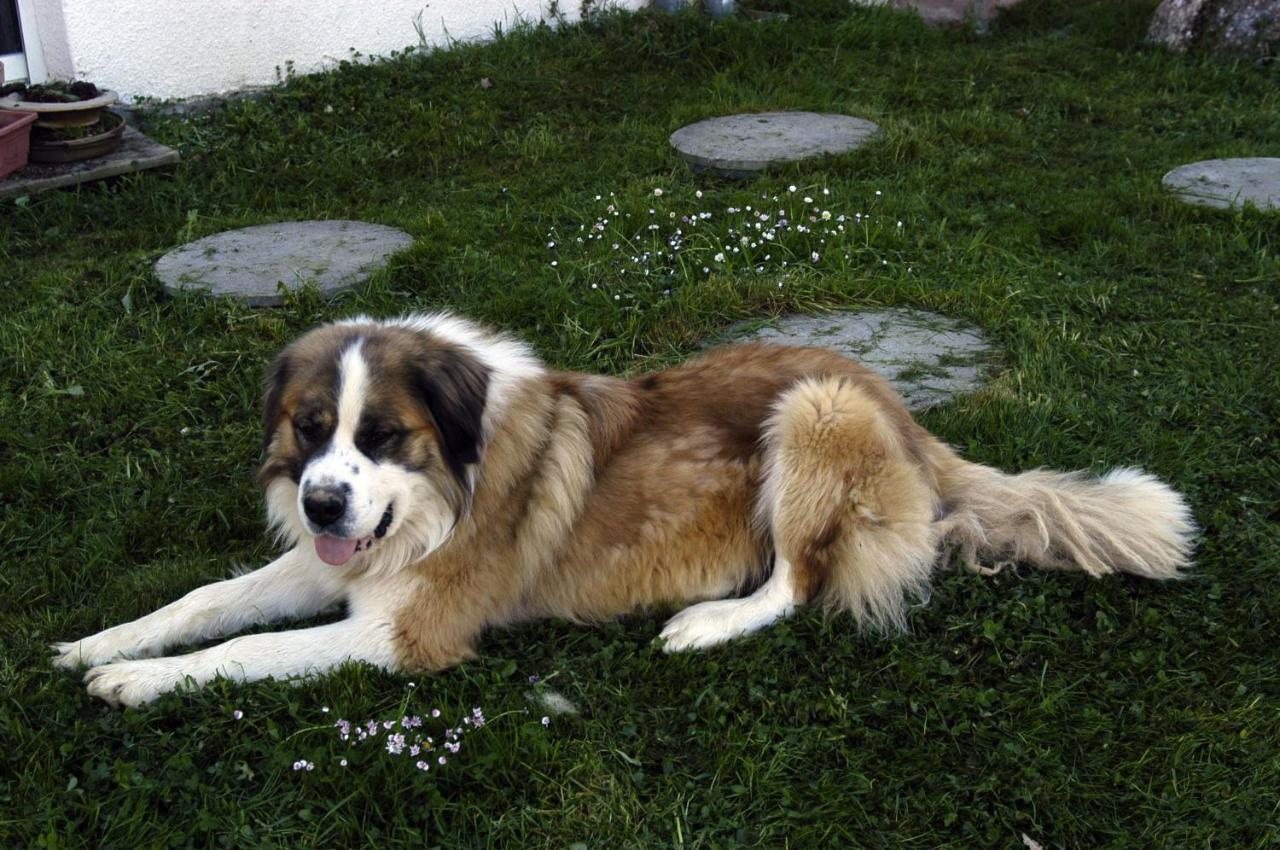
(407, 741)
(669, 247)
(403, 736)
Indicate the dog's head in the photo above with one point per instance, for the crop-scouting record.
(375, 430)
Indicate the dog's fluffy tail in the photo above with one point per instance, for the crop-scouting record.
(1126, 521)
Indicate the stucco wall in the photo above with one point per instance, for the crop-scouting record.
(184, 48)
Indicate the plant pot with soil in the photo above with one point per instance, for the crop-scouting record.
(73, 144)
(15, 140)
(72, 122)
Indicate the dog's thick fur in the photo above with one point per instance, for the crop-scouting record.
(439, 480)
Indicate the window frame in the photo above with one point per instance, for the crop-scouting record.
(29, 64)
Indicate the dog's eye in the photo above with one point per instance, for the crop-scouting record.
(372, 439)
(308, 429)
(381, 436)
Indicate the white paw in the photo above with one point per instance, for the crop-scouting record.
(709, 623)
(98, 649)
(68, 655)
(133, 683)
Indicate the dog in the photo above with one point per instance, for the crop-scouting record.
(439, 480)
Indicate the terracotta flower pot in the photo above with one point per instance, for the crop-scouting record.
(15, 140)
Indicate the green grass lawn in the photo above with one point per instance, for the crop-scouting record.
(1024, 166)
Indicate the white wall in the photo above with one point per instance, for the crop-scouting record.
(184, 48)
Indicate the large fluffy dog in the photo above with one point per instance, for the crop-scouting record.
(439, 480)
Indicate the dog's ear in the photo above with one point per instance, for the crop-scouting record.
(454, 385)
(277, 375)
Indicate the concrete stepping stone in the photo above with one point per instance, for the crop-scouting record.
(1227, 183)
(136, 153)
(743, 145)
(251, 263)
(948, 12)
(927, 357)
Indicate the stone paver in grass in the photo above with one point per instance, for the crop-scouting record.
(1227, 183)
(136, 153)
(927, 357)
(743, 145)
(251, 263)
(948, 12)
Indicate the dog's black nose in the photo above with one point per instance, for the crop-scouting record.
(324, 505)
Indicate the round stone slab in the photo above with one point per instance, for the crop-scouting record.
(1226, 183)
(251, 263)
(927, 357)
(743, 145)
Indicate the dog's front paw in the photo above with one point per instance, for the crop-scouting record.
(710, 623)
(105, 646)
(703, 625)
(127, 684)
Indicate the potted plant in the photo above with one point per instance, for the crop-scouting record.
(72, 121)
(15, 140)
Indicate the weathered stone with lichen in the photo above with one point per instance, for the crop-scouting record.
(927, 357)
(1242, 28)
(1229, 183)
(254, 264)
(948, 12)
(743, 145)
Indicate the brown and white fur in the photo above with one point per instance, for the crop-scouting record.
(440, 481)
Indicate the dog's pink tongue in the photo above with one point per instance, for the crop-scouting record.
(335, 551)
